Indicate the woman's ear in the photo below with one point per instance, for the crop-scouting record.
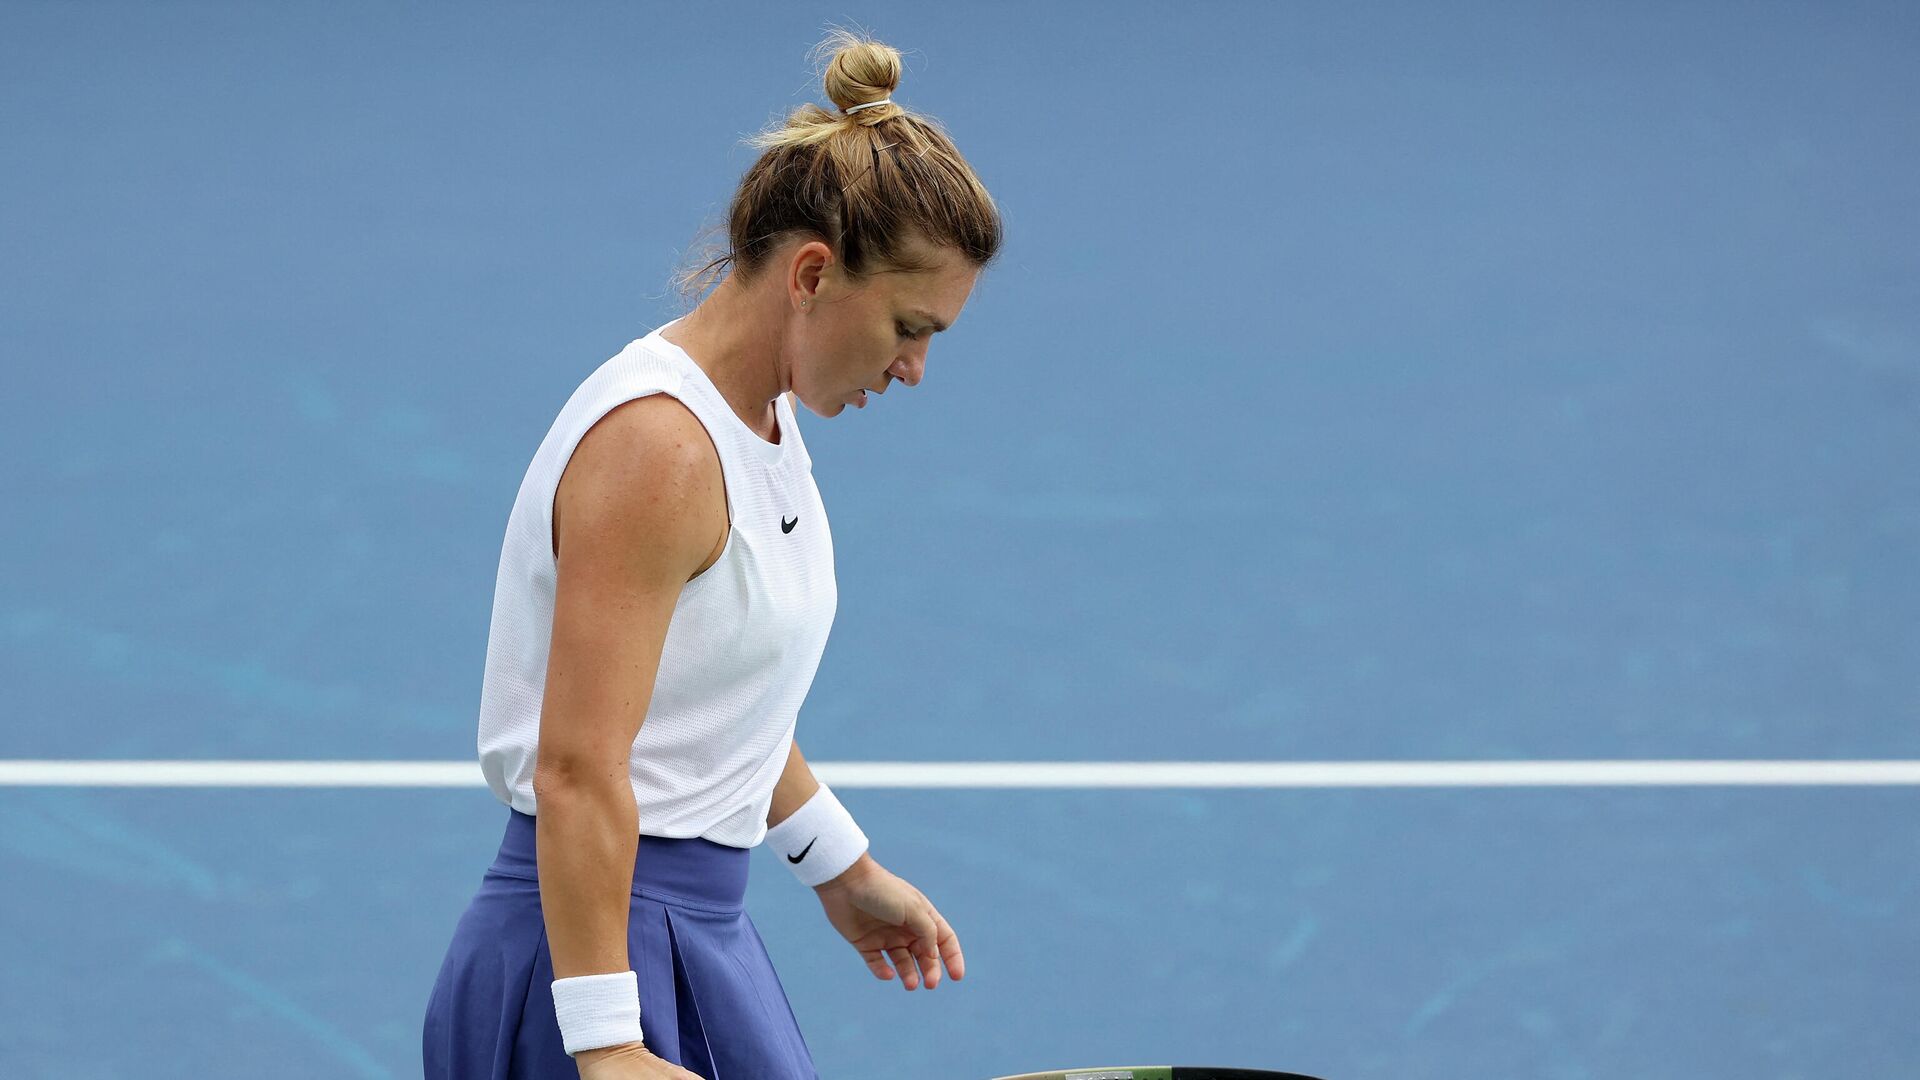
(807, 273)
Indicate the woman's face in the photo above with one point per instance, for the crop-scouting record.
(851, 338)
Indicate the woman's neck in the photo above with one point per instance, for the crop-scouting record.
(728, 335)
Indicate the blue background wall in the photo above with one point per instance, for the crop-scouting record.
(1359, 381)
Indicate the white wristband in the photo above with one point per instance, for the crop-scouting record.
(819, 841)
(597, 1010)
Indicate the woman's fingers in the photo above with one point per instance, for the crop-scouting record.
(918, 958)
(949, 944)
(926, 942)
(903, 962)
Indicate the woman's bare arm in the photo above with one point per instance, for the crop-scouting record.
(795, 786)
(636, 515)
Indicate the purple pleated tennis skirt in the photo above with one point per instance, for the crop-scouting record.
(709, 999)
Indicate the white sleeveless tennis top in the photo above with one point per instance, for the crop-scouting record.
(746, 634)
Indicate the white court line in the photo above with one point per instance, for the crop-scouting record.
(1020, 774)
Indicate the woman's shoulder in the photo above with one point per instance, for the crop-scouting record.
(648, 470)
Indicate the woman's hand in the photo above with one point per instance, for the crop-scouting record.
(627, 1061)
(882, 915)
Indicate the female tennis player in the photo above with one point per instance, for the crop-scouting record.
(664, 594)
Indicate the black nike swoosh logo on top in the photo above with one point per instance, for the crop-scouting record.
(787, 526)
(803, 851)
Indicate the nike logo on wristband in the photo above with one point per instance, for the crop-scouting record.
(803, 851)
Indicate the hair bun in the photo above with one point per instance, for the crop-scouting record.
(861, 72)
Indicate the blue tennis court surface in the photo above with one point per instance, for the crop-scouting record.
(1360, 382)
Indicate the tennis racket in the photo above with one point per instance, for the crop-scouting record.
(1159, 1072)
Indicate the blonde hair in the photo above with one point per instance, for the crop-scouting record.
(863, 182)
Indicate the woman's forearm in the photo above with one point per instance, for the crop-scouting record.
(795, 786)
(586, 836)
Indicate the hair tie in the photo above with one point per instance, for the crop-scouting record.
(868, 105)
